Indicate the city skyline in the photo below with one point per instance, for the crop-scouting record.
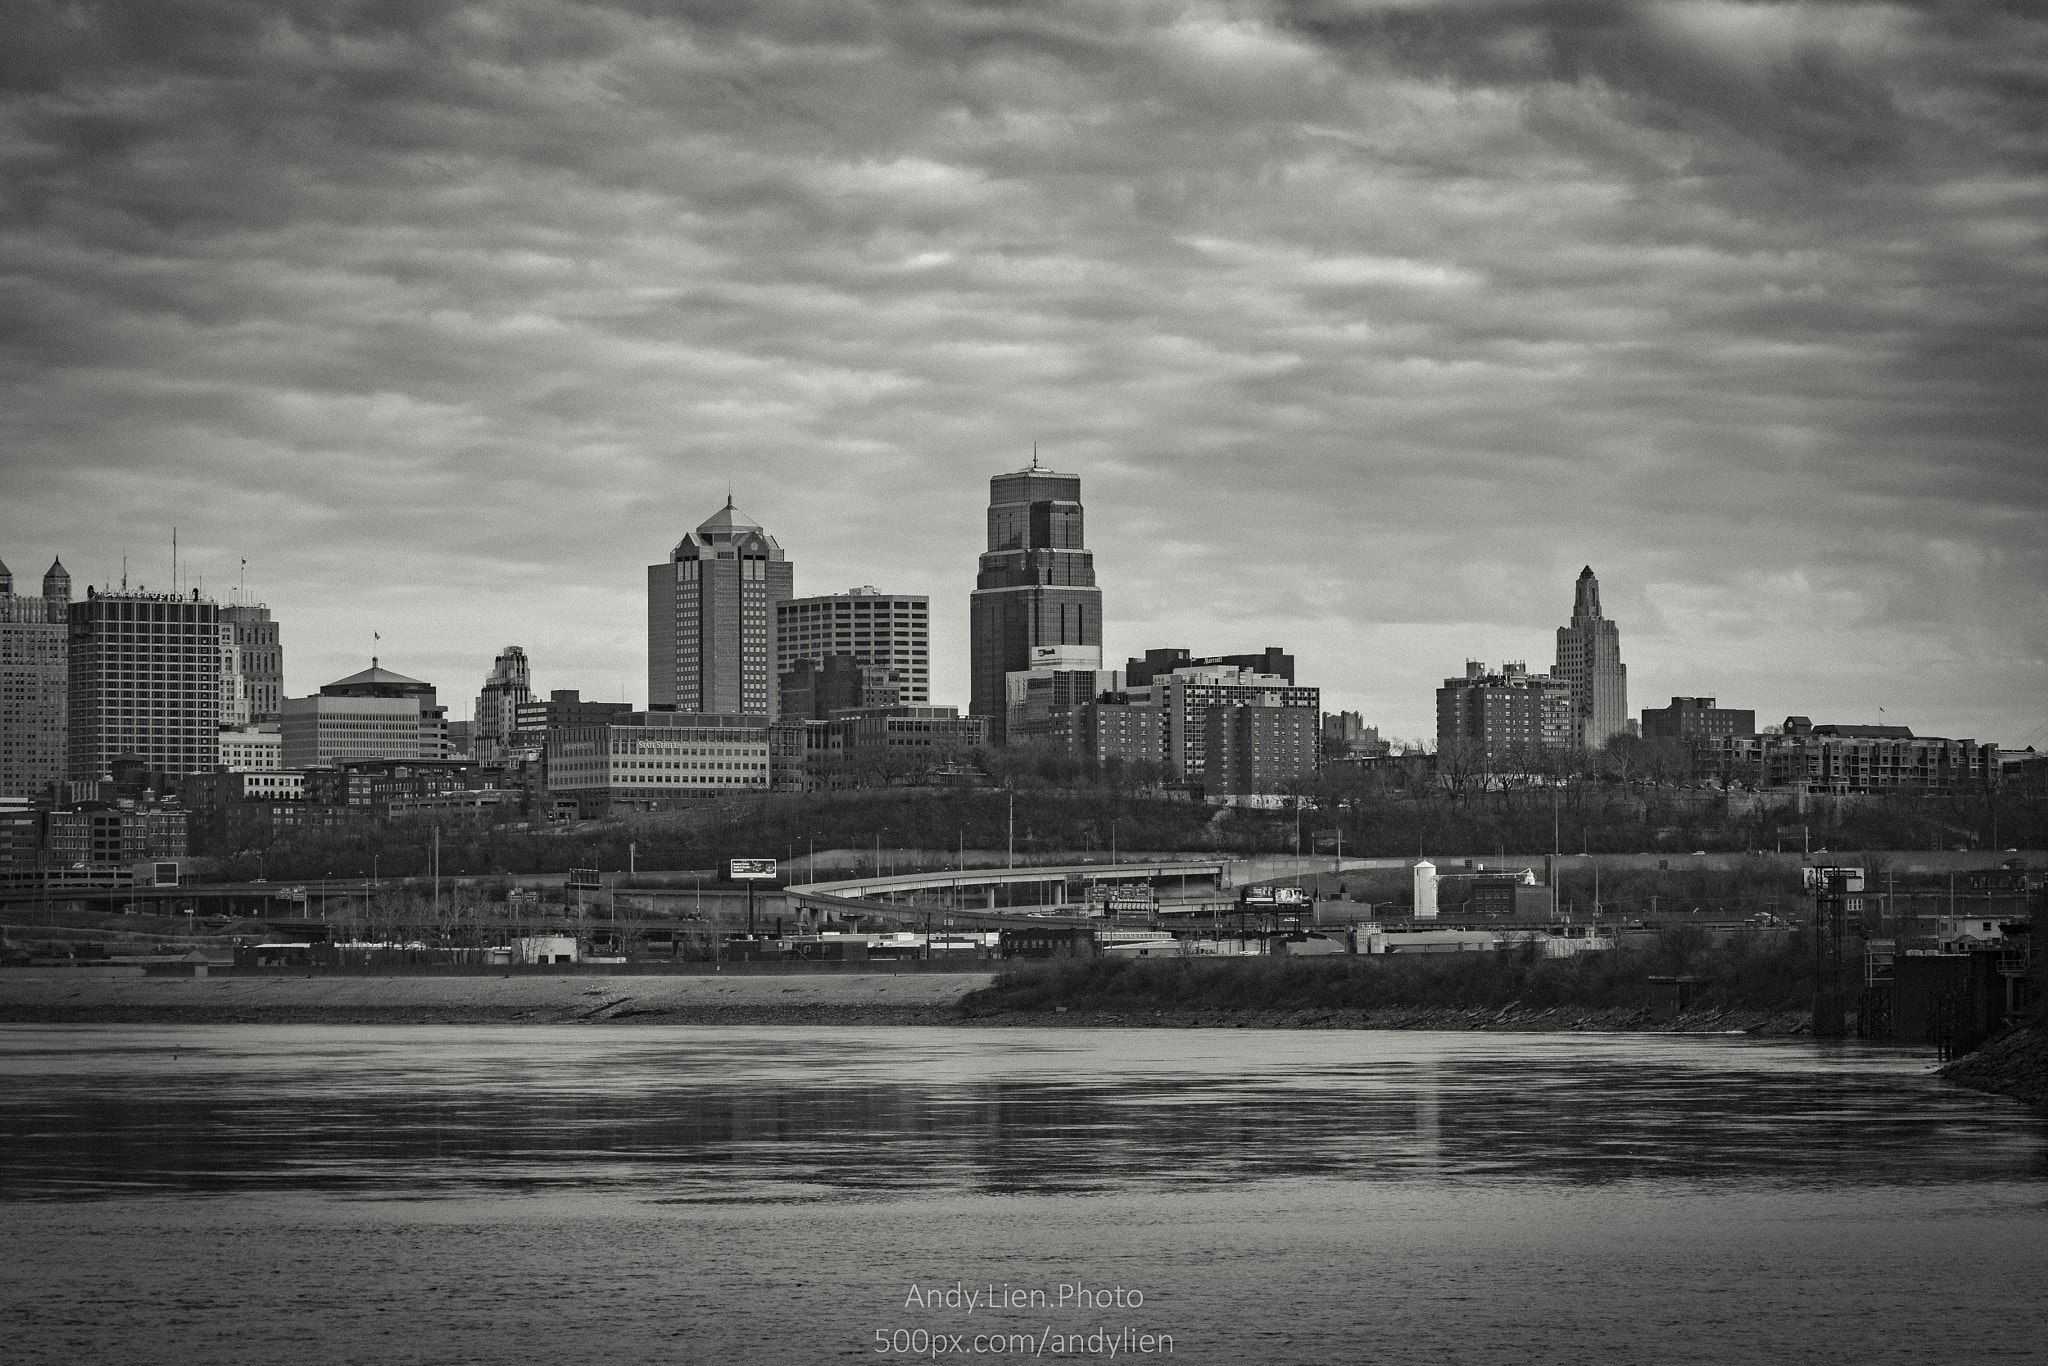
(1366, 330)
(1336, 694)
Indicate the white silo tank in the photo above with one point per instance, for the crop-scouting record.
(1425, 890)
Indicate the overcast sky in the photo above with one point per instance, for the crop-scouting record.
(1366, 325)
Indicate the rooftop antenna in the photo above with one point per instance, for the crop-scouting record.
(174, 561)
(124, 571)
(1034, 455)
(374, 638)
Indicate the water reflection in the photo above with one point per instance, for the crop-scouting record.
(722, 1115)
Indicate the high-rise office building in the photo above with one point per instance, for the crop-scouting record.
(886, 631)
(1036, 586)
(497, 706)
(1589, 659)
(711, 619)
(34, 682)
(260, 659)
(145, 681)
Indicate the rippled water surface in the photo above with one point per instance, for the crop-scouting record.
(429, 1194)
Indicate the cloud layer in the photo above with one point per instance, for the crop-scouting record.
(1366, 325)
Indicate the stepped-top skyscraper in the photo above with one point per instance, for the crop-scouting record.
(711, 618)
(34, 683)
(1036, 587)
(1589, 658)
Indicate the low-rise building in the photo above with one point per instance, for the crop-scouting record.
(1117, 731)
(561, 708)
(871, 747)
(644, 760)
(813, 691)
(1257, 748)
(375, 714)
(122, 834)
(1696, 718)
(1846, 759)
(1346, 736)
(252, 749)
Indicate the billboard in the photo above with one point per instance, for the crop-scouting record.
(585, 878)
(1850, 879)
(750, 869)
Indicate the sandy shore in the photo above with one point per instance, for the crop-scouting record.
(867, 998)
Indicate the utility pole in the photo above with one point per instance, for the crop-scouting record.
(437, 875)
(1013, 833)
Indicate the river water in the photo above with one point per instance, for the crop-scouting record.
(280, 1194)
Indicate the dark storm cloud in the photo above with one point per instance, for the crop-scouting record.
(1367, 324)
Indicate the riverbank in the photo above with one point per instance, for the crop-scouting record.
(1509, 1019)
(863, 999)
(2016, 1066)
(848, 999)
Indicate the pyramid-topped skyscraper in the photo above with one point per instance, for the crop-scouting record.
(711, 618)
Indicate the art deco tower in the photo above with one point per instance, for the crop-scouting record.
(509, 683)
(711, 618)
(1036, 587)
(1589, 658)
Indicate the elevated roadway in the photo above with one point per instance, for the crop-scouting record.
(994, 898)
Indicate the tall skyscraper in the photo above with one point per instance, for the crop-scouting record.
(711, 619)
(145, 680)
(1036, 587)
(1589, 658)
(34, 684)
(260, 658)
(497, 706)
(885, 631)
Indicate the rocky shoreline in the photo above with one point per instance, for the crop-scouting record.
(2016, 1066)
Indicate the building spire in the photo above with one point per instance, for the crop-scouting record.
(1586, 598)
